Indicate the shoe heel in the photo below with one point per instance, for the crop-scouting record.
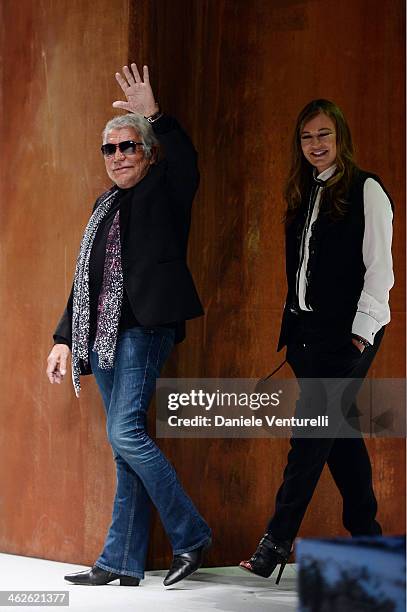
(129, 581)
(280, 573)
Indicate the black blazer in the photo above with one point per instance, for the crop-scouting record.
(155, 217)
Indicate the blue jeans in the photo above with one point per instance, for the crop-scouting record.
(143, 472)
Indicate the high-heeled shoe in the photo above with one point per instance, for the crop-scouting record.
(97, 576)
(269, 553)
(185, 564)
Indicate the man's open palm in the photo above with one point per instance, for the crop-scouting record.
(140, 97)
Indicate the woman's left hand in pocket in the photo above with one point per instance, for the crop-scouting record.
(358, 345)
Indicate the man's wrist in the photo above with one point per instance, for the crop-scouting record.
(61, 340)
(154, 117)
(152, 114)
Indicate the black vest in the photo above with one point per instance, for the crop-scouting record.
(335, 271)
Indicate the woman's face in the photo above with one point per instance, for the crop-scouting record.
(318, 142)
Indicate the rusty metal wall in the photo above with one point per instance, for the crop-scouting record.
(237, 73)
(59, 60)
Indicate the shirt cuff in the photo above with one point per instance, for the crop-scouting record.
(365, 326)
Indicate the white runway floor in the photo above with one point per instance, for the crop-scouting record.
(226, 589)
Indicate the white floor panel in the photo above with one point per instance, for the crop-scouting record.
(226, 589)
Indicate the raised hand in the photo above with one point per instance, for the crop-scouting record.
(139, 95)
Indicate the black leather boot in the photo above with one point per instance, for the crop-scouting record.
(269, 553)
(97, 576)
(185, 564)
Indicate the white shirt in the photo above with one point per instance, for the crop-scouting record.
(373, 306)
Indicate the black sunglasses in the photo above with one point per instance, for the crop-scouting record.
(128, 147)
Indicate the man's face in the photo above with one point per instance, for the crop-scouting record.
(126, 169)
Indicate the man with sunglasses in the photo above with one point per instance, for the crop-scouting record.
(131, 295)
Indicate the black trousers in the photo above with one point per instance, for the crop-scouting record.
(312, 356)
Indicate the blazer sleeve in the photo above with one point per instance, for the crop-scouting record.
(181, 160)
(63, 331)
